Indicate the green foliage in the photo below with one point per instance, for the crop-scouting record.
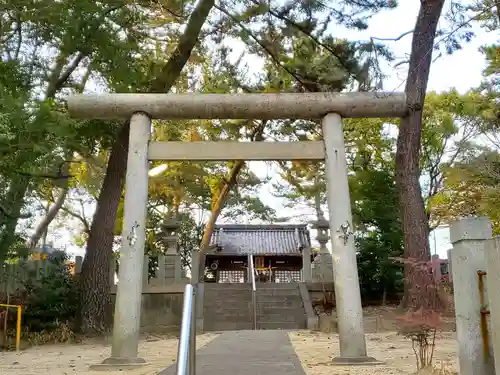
(190, 233)
(491, 83)
(49, 299)
(52, 299)
(451, 122)
(49, 50)
(471, 187)
(464, 183)
(121, 46)
(485, 14)
(379, 237)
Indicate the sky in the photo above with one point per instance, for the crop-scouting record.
(462, 70)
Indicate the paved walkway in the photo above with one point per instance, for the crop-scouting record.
(266, 352)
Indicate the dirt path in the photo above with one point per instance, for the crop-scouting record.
(75, 358)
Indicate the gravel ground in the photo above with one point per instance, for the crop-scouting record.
(316, 350)
(75, 358)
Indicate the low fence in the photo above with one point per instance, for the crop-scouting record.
(157, 272)
(14, 275)
(163, 286)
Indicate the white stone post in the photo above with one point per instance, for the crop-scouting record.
(177, 269)
(492, 282)
(347, 291)
(448, 256)
(195, 267)
(306, 265)
(249, 269)
(436, 267)
(124, 351)
(468, 237)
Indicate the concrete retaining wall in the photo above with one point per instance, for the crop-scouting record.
(316, 290)
(161, 310)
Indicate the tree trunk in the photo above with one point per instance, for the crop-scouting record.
(497, 4)
(384, 295)
(95, 270)
(180, 56)
(219, 203)
(14, 202)
(413, 214)
(52, 211)
(95, 299)
(42, 227)
(230, 182)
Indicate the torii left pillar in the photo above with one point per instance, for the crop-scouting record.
(126, 325)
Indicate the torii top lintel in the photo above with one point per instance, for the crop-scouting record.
(268, 106)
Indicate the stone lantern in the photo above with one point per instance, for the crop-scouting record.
(172, 260)
(322, 264)
(169, 232)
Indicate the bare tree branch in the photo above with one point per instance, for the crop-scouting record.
(393, 39)
(307, 32)
(6, 213)
(81, 218)
(229, 183)
(270, 53)
(51, 214)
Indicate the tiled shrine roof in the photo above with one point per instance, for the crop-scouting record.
(287, 239)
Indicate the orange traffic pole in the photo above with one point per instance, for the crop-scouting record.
(18, 323)
(18, 328)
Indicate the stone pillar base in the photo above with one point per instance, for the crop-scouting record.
(118, 363)
(356, 361)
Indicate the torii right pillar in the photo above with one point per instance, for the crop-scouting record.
(345, 270)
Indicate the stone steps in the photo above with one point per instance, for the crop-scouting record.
(225, 287)
(280, 307)
(277, 299)
(229, 302)
(277, 292)
(228, 319)
(291, 286)
(227, 326)
(273, 318)
(230, 311)
(229, 307)
(280, 310)
(287, 303)
(277, 325)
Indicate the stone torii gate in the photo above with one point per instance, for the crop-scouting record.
(140, 109)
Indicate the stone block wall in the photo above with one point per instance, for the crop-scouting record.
(161, 310)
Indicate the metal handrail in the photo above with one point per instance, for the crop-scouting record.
(254, 298)
(186, 353)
